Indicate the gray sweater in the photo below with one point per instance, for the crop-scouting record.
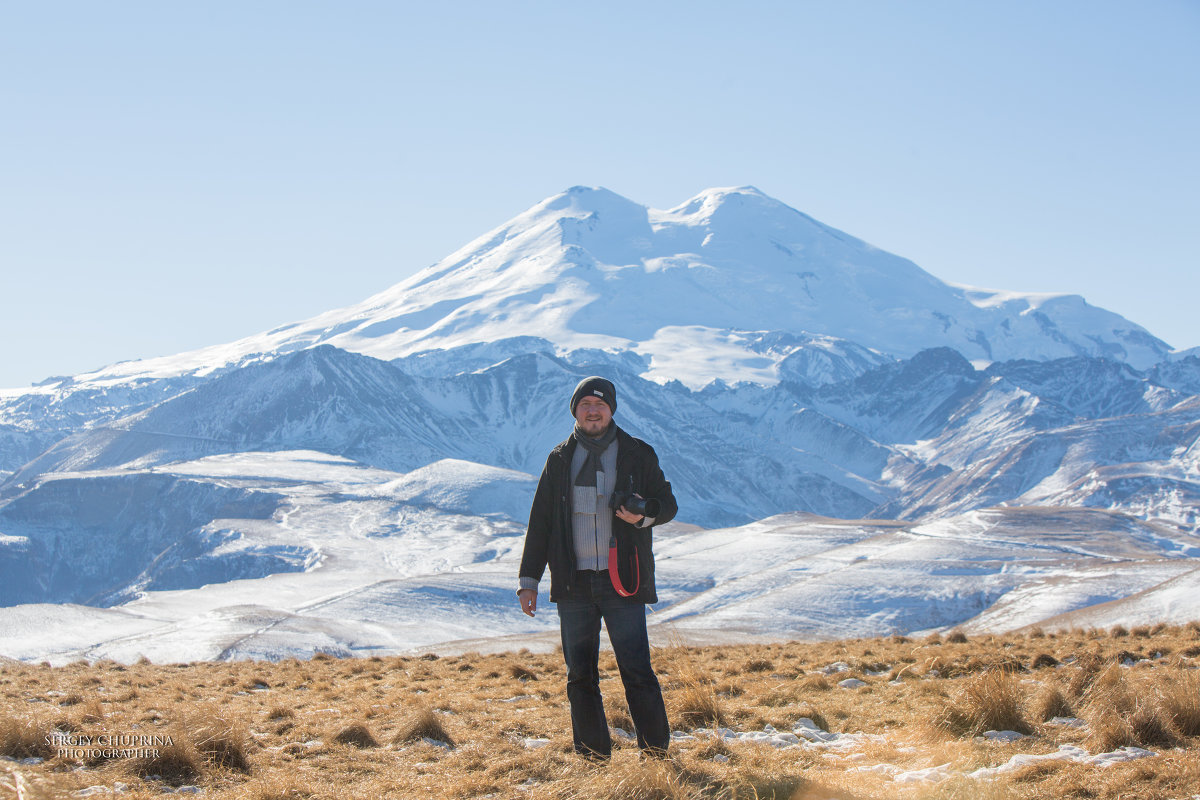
(591, 518)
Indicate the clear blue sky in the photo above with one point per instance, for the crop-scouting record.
(178, 174)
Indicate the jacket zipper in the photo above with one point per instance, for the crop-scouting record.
(565, 520)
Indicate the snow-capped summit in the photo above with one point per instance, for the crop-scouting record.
(692, 289)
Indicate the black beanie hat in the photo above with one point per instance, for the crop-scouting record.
(595, 386)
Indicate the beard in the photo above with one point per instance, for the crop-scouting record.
(594, 427)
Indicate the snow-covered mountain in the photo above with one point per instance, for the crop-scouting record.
(724, 286)
(788, 374)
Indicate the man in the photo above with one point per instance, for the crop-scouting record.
(601, 564)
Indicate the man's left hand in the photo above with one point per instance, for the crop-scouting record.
(629, 516)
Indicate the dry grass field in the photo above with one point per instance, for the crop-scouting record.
(755, 721)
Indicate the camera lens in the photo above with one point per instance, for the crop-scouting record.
(647, 508)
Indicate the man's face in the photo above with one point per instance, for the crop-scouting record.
(593, 415)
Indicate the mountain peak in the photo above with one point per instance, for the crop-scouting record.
(588, 199)
(743, 200)
(711, 202)
(582, 268)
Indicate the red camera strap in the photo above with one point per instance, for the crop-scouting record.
(614, 574)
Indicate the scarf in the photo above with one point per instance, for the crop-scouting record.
(594, 447)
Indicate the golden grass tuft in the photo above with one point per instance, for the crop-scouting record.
(1050, 702)
(782, 695)
(284, 791)
(653, 780)
(1179, 698)
(1086, 670)
(1037, 771)
(1043, 660)
(423, 723)
(1108, 729)
(1125, 657)
(224, 746)
(691, 697)
(23, 738)
(280, 712)
(175, 764)
(668, 780)
(356, 735)
(619, 718)
(989, 702)
(1150, 726)
(522, 673)
(93, 712)
(697, 706)
(756, 786)
(815, 683)
(1122, 709)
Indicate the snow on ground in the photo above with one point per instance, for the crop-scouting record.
(808, 577)
(397, 562)
(804, 734)
(1173, 601)
(1065, 752)
(394, 565)
(807, 735)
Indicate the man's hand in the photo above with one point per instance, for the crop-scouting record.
(528, 598)
(629, 516)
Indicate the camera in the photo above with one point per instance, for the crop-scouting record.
(633, 504)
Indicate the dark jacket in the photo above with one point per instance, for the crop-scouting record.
(548, 537)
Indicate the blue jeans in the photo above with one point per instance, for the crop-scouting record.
(591, 600)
